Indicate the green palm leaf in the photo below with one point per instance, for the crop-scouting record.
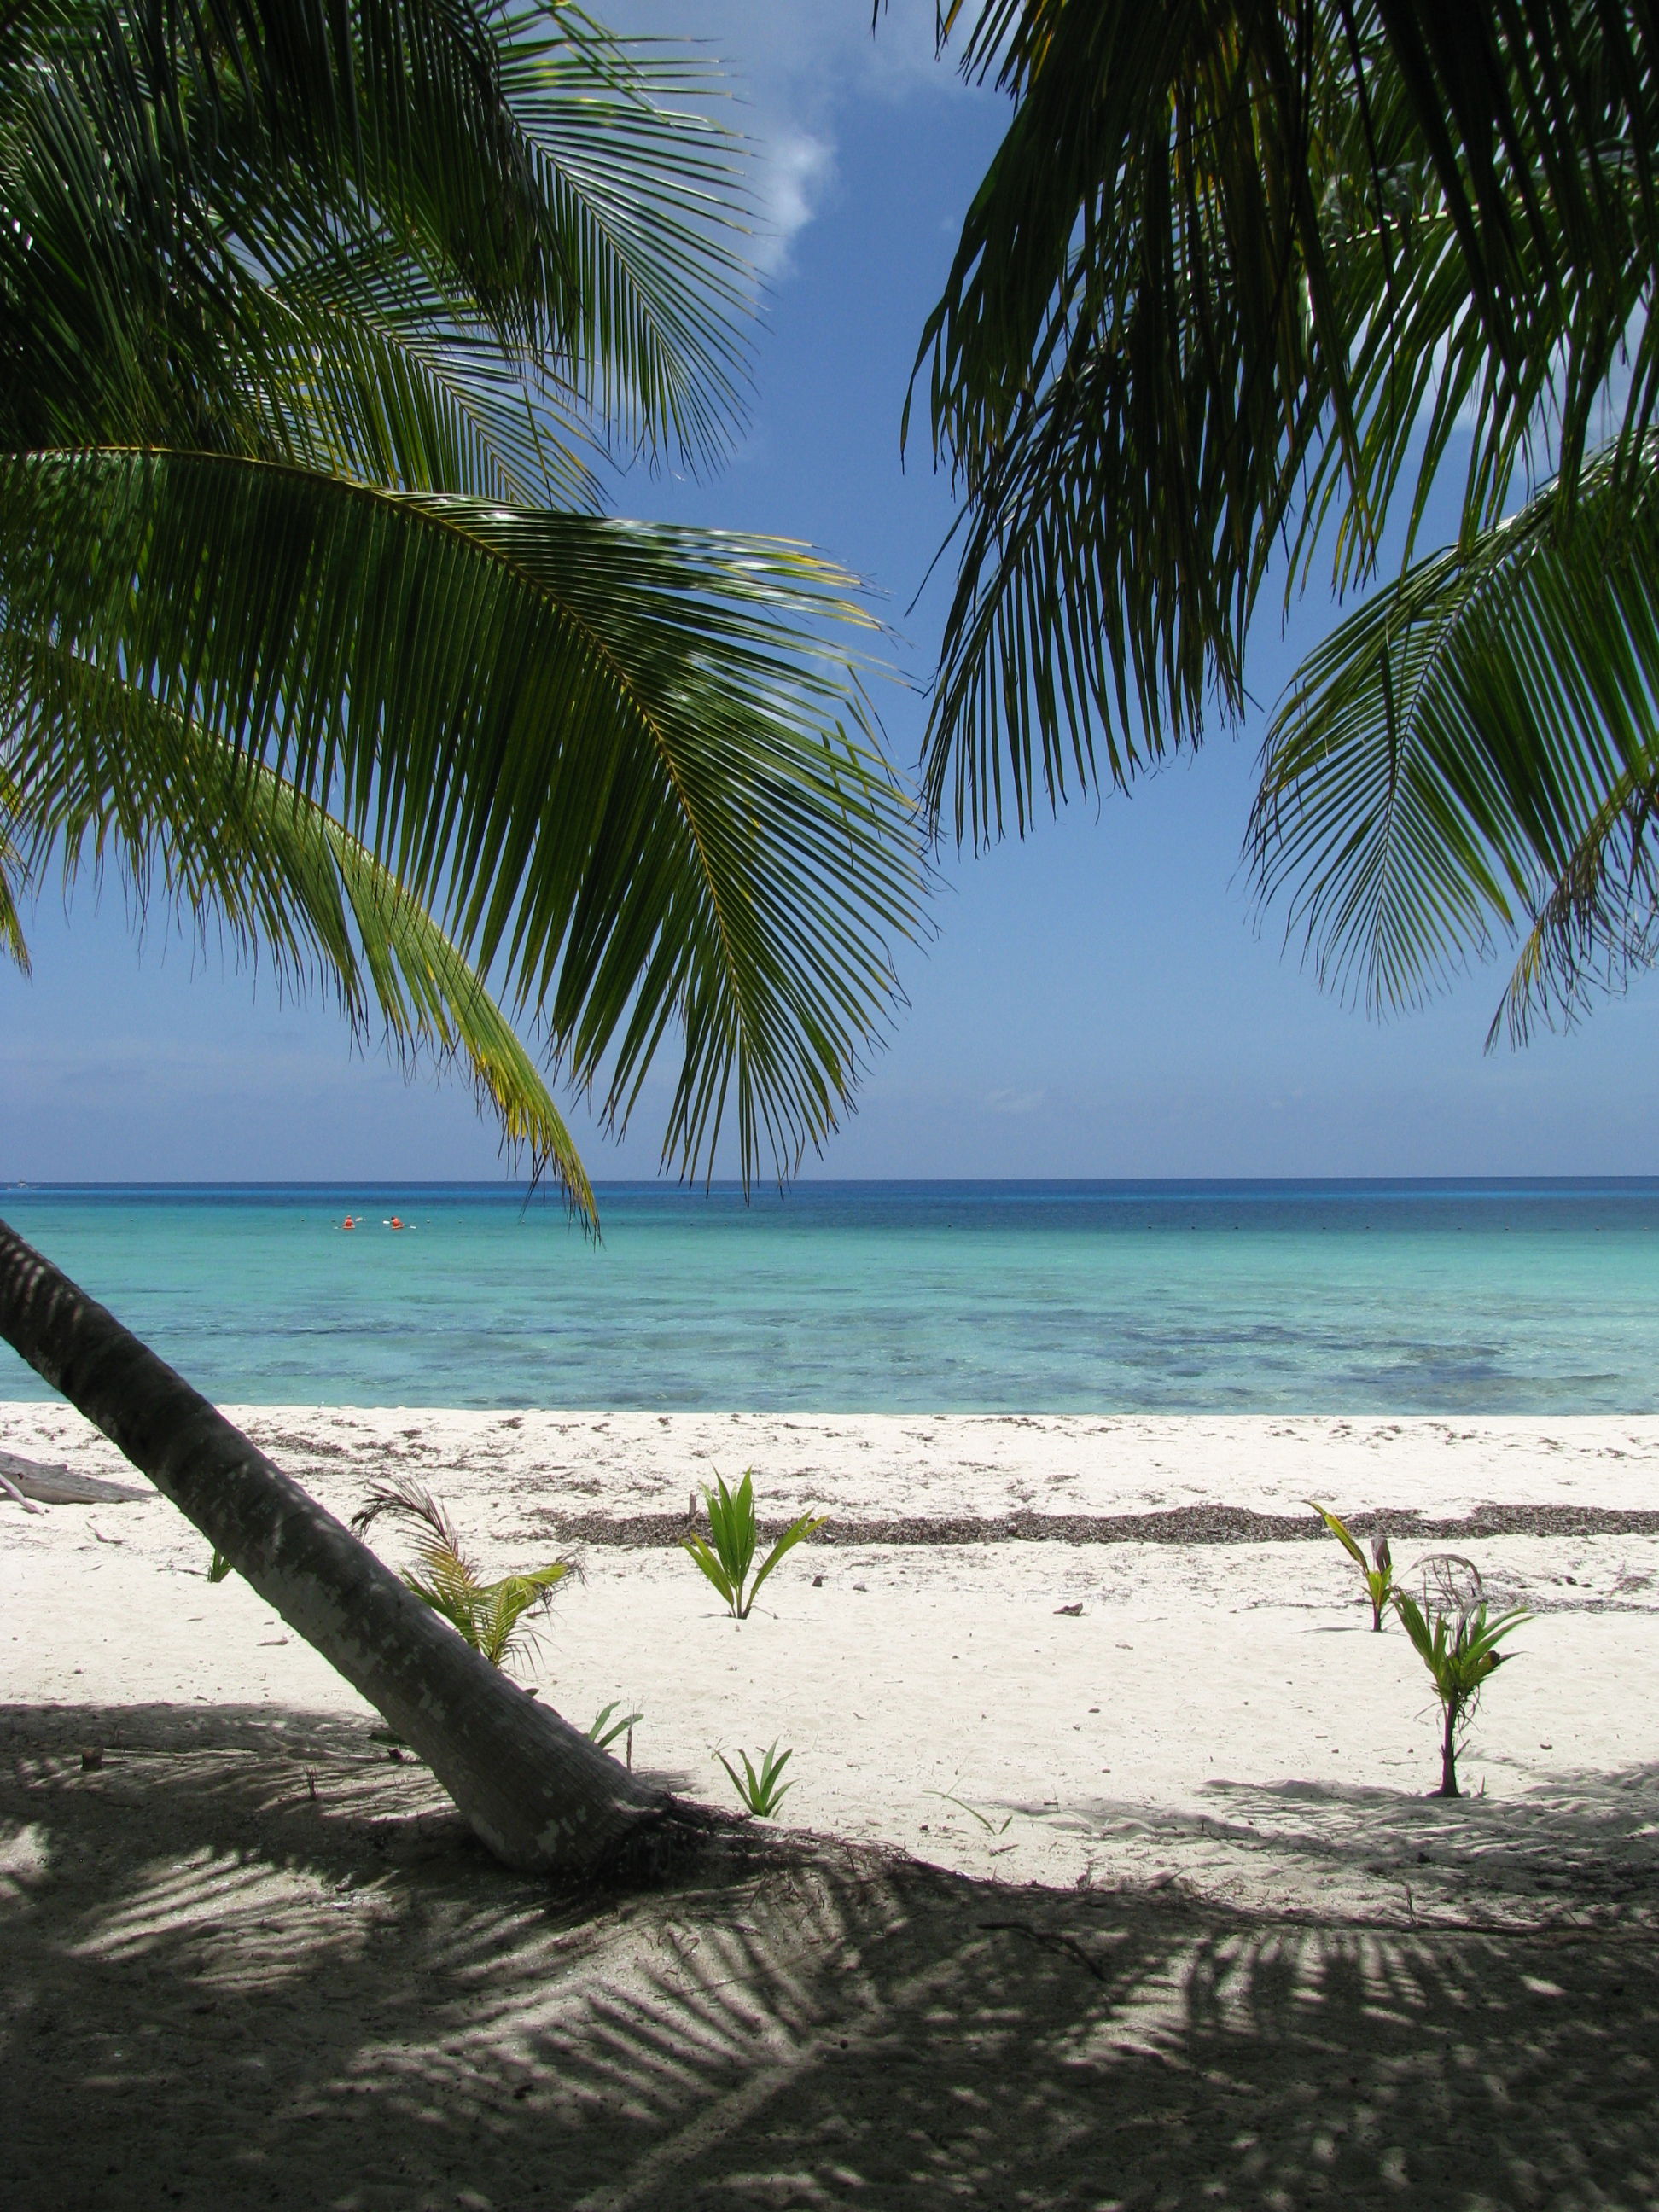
(182, 814)
(177, 188)
(1460, 759)
(491, 1616)
(1598, 926)
(476, 763)
(1238, 276)
(13, 876)
(608, 759)
(399, 388)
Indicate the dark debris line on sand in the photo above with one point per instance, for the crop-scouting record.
(1185, 1524)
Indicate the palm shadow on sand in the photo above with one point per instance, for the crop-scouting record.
(250, 1962)
(1584, 1845)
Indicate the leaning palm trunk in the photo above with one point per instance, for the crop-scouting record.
(538, 1793)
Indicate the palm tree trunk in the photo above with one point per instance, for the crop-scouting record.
(538, 1793)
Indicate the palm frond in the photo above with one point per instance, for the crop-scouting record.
(403, 1499)
(612, 762)
(125, 780)
(501, 1608)
(1598, 928)
(1238, 276)
(366, 367)
(650, 281)
(1455, 761)
(1138, 342)
(13, 876)
(426, 993)
(528, 175)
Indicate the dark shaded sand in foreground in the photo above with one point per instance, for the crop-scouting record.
(249, 1964)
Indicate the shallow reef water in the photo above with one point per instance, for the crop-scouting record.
(1474, 1297)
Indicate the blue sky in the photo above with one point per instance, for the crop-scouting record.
(1098, 1001)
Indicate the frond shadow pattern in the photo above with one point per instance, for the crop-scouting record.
(217, 1987)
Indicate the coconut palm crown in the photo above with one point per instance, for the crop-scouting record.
(1243, 283)
(324, 332)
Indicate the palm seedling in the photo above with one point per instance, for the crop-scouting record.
(493, 1617)
(1378, 1575)
(727, 1558)
(760, 1789)
(991, 1827)
(604, 1731)
(1457, 1640)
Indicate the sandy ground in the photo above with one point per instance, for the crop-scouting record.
(1142, 1905)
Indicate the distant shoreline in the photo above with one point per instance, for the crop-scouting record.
(727, 1187)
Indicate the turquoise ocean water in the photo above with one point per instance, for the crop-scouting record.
(1465, 1298)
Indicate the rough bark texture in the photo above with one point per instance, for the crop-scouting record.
(535, 1790)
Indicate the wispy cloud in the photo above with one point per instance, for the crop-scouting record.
(795, 171)
(791, 67)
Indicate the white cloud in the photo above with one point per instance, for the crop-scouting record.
(791, 66)
(795, 170)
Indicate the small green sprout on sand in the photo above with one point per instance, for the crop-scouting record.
(218, 1567)
(1378, 1575)
(604, 1731)
(761, 1792)
(1457, 1641)
(491, 1616)
(991, 1827)
(727, 1560)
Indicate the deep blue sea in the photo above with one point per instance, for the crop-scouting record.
(1435, 1296)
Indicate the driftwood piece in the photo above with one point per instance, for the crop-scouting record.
(24, 1479)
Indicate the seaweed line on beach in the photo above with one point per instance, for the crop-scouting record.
(1185, 1524)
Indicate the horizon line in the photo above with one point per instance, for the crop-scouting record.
(760, 1188)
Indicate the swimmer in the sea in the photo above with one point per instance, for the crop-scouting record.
(348, 1222)
(395, 1222)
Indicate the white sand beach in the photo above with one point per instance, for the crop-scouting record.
(1218, 1710)
(1138, 1905)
